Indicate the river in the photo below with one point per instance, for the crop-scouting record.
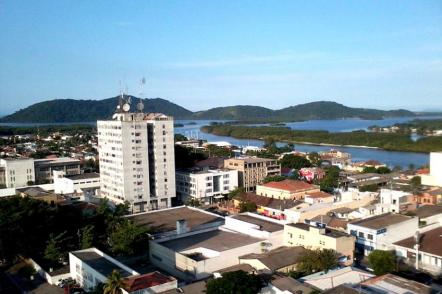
(191, 129)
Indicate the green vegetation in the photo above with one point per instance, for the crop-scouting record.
(269, 179)
(422, 126)
(397, 142)
(382, 262)
(187, 157)
(237, 191)
(316, 261)
(114, 283)
(294, 161)
(238, 282)
(331, 179)
(47, 129)
(379, 170)
(245, 206)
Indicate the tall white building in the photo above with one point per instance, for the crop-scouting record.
(16, 172)
(137, 162)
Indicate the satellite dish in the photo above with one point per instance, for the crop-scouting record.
(126, 107)
(140, 106)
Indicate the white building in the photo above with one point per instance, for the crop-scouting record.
(381, 231)
(16, 172)
(137, 162)
(87, 183)
(393, 201)
(205, 185)
(435, 176)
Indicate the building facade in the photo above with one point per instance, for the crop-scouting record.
(16, 172)
(205, 185)
(44, 168)
(137, 161)
(252, 170)
(286, 189)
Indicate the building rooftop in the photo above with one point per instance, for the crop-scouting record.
(165, 220)
(84, 176)
(319, 194)
(264, 224)
(193, 288)
(381, 221)
(239, 267)
(342, 289)
(390, 283)
(336, 277)
(56, 160)
(428, 210)
(268, 201)
(140, 282)
(328, 232)
(430, 242)
(291, 285)
(252, 159)
(216, 240)
(290, 185)
(100, 263)
(34, 191)
(279, 257)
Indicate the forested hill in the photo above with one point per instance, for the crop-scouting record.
(70, 110)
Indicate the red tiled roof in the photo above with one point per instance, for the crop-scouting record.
(319, 194)
(423, 171)
(290, 185)
(430, 242)
(136, 283)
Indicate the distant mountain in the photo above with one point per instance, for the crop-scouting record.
(70, 110)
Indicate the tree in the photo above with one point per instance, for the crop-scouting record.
(238, 190)
(114, 283)
(331, 179)
(193, 202)
(317, 260)
(315, 158)
(238, 282)
(415, 184)
(53, 252)
(294, 161)
(274, 179)
(382, 262)
(369, 169)
(180, 137)
(87, 237)
(127, 238)
(383, 170)
(246, 206)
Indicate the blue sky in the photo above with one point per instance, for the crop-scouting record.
(202, 54)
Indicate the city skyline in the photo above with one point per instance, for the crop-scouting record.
(202, 55)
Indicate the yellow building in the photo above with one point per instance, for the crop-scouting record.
(286, 189)
(312, 237)
(253, 170)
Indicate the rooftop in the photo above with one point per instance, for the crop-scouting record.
(279, 257)
(252, 159)
(140, 282)
(291, 285)
(165, 220)
(328, 232)
(290, 185)
(216, 240)
(319, 194)
(430, 242)
(428, 210)
(34, 191)
(264, 224)
(381, 221)
(390, 283)
(56, 160)
(336, 277)
(84, 176)
(100, 263)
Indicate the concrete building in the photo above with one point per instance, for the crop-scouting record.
(205, 185)
(16, 172)
(90, 267)
(286, 189)
(137, 161)
(252, 170)
(342, 276)
(44, 168)
(86, 184)
(316, 237)
(390, 283)
(395, 201)
(435, 176)
(382, 231)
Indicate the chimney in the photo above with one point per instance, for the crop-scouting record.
(181, 226)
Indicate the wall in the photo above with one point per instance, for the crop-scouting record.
(53, 280)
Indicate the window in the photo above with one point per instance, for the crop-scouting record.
(369, 236)
(321, 242)
(361, 235)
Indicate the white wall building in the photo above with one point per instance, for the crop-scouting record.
(381, 231)
(392, 201)
(87, 183)
(435, 176)
(205, 185)
(137, 162)
(16, 172)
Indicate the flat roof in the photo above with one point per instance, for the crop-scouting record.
(328, 232)
(291, 285)
(264, 224)
(100, 263)
(84, 176)
(252, 159)
(290, 185)
(136, 283)
(217, 240)
(381, 221)
(279, 257)
(395, 284)
(430, 242)
(428, 210)
(164, 220)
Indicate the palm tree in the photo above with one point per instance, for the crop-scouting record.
(114, 283)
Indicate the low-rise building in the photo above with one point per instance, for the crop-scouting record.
(333, 278)
(205, 185)
(390, 283)
(41, 194)
(44, 168)
(318, 197)
(86, 184)
(429, 214)
(435, 176)
(427, 246)
(252, 170)
(381, 231)
(318, 237)
(286, 189)
(16, 172)
(395, 201)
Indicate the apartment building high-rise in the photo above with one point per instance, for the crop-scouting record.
(137, 161)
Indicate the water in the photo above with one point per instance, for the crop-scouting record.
(391, 158)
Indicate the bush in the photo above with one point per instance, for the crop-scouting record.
(382, 262)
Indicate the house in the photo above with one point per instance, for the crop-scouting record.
(381, 231)
(429, 214)
(390, 283)
(312, 173)
(286, 285)
(425, 245)
(282, 259)
(432, 196)
(333, 278)
(89, 267)
(395, 201)
(86, 184)
(318, 197)
(286, 189)
(39, 193)
(319, 237)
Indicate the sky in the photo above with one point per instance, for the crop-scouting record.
(203, 54)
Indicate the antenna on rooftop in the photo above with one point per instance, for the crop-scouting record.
(140, 105)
